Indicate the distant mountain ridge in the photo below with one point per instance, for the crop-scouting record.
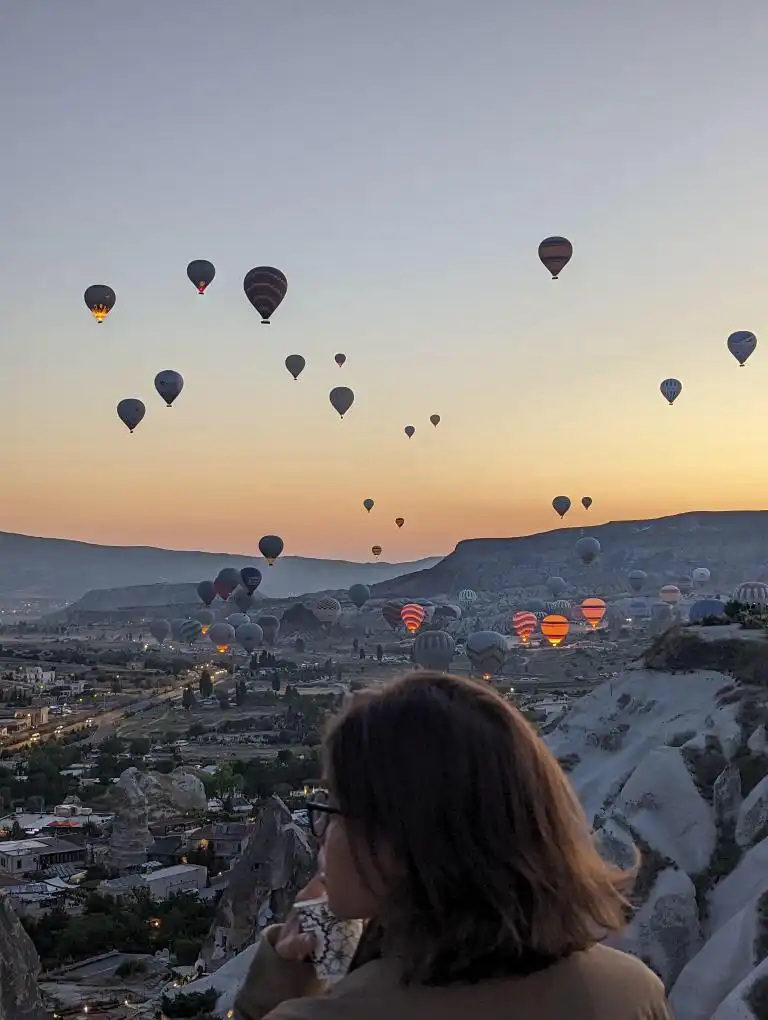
(732, 544)
(60, 568)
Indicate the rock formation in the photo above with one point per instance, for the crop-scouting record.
(167, 795)
(130, 832)
(19, 969)
(276, 862)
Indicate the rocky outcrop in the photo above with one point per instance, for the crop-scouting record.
(276, 862)
(19, 969)
(130, 826)
(168, 795)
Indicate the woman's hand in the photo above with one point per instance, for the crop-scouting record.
(292, 943)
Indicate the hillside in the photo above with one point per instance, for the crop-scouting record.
(732, 544)
(60, 569)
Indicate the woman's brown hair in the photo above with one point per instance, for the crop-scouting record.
(495, 869)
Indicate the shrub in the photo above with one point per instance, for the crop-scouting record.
(725, 857)
(705, 765)
(757, 998)
(190, 1004)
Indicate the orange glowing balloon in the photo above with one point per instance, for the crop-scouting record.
(524, 624)
(593, 611)
(412, 616)
(221, 648)
(555, 629)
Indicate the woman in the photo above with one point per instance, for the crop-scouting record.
(452, 830)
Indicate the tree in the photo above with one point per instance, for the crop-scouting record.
(276, 684)
(206, 684)
(188, 698)
(284, 756)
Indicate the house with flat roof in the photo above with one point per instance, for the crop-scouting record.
(22, 857)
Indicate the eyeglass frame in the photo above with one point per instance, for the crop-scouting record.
(325, 810)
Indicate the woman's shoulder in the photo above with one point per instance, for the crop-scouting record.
(614, 979)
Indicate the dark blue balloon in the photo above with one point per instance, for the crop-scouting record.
(251, 578)
(706, 607)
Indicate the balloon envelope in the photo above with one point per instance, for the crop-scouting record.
(555, 253)
(101, 300)
(339, 359)
(556, 585)
(169, 385)
(435, 419)
(222, 635)
(587, 549)
(368, 504)
(236, 620)
(561, 505)
(433, 649)
(705, 608)
(271, 628)
(242, 598)
(160, 630)
(295, 364)
(131, 412)
(190, 630)
(487, 652)
(249, 636)
(524, 624)
(251, 578)
(409, 431)
(265, 287)
(201, 272)
(412, 615)
(359, 594)
(586, 502)
(206, 592)
(637, 579)
(376, 550)
(741, 345)
(671, 389)
(328, 610)
(593, 611)
(270, 547)
(342, 398)
(555, 629)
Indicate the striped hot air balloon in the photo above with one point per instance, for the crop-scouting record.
(265, 287)
(413, 616)
(593, 611)
(487, 652)
(753, 593)
(466, 597)
(328, 610)
(191, 630)
(433, 649)
(524, 624)
(555, 629)
(670, 594)
(555, 253)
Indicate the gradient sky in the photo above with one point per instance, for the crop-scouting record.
(400, 162)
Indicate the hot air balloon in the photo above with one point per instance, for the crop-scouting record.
(169, 385)
(295, 365)
(593, 611)
(342, 398)
(391, 612)
(250, 636)
(556, 585)
(752, 593)
(701, 575)
(376, 550)
(368, 504)
(487, 652)
(705, 608)
(637, 579)
(399, 521)
(555, 253)
(160, 630)
(409, 431)
(205, 618)
(131, 412)
(190, 630)
(671, 389)
(359, 594)
(466, 597)
(328, 610)
(685, 584)
(741, 345)
(555, 629)
(561, 607)
(447, 611)
(524, 624)
(339, 359)
(586, 502)
(236, 620)
(413, 616)
(271, 627)
(670, 594)
(222, 635)
(435, 419)
(201, 273)
(101, 300)
(206, 592)
(588, 549)
(265, 288)
(242, 598)
(250, 578)
(561, 505)
(270, 547)
(176, 625)
(433, 649)
(230, 576)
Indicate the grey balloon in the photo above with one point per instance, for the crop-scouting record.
(131, 412)
(342, 398)
(295, 365)
(176, 626)
(433, 649)
(236, 620)
(271, 627)
(637, 579)
(160, 630)
(588, 549)
(487, 651)
(169, 385)
(556, 585)
(204, 617)
(242, 599)
(359, 594)
(229, 576)
(741, 345)
(249, 636)
(221, 634)
(191, 630)
(561, 505)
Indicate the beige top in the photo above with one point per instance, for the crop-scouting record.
(598, 984)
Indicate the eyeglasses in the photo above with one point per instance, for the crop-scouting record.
(320, 811)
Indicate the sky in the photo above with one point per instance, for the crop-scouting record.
(400, 162)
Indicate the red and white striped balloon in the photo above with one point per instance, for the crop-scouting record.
(524, 624)
(412, 616)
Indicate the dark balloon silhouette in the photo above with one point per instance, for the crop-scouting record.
(339, 359)
(295, 365)
(342, 398)
(555, 253)
(131, 412)
(251, 578)
(206, 592)
(265, 288)
(101, 300)
(201, 272)
(270, 547)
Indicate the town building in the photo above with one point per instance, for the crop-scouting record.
(20, 858)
